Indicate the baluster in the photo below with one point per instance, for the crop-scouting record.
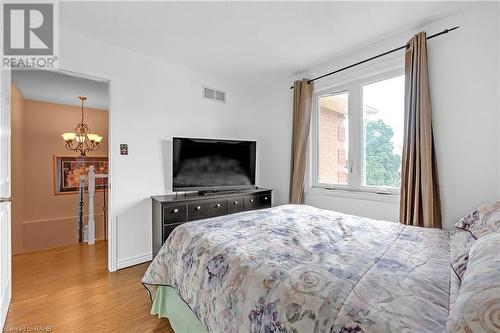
(80, 210)
(91, 221)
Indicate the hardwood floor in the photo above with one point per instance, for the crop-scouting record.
(69, 289)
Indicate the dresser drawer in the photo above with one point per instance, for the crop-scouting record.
(250, 202)
(203, 210)
(234, 205)
(167, 230)
(199, 210)
(265, 201)
(174, 214)
(218, 208)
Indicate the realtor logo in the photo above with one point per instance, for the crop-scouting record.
(28, 29)
(29, 38)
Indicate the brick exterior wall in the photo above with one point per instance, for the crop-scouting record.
(332, 154)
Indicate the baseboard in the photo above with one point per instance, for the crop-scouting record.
(132, 261)
(5, 302)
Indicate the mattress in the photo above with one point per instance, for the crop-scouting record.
(295, 268)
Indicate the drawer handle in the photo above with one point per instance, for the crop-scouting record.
(235, 202)
(197, 208)
(176, 210)
(251, 200)
(217, 206)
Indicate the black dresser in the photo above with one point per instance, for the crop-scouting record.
(169, 211)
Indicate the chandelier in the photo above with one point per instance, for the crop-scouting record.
(81, 140)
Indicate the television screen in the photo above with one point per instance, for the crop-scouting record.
(211, 164)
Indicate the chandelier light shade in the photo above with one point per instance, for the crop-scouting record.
(81, 140)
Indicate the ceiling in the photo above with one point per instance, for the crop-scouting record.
(247, 38)
(60, 88)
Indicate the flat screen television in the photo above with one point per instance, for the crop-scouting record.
(211, 164)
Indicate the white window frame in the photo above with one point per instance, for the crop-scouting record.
(352, 83)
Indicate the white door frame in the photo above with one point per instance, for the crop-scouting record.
(102, 76)
(5, 228)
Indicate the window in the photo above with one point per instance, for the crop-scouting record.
(359, 134)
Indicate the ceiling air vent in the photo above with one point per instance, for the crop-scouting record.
(214, 94)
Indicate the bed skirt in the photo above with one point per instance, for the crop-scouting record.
(167, 304)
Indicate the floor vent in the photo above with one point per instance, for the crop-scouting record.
(214, 94)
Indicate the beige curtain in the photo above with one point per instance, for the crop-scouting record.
(302, 94)
(420, 204)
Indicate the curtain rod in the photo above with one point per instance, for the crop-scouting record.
(378, 56)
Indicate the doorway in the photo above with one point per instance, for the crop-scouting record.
(49, 174)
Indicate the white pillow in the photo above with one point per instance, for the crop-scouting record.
(482, 221)
(477, 307)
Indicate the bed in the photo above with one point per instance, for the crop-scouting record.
(296, 268)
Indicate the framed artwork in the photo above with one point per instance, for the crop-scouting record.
(67, 172)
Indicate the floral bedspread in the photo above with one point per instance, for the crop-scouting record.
(296, 268)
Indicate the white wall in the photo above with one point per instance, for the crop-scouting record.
(152, 101)
(498, 20)
(463, 69)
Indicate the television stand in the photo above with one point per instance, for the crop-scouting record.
(170, 211)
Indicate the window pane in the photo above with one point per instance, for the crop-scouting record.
(383, 117)
(333, 137)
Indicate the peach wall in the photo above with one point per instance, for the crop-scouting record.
(50, 220)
